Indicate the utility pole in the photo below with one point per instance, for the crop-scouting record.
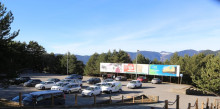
(67, 63)
(136, 63)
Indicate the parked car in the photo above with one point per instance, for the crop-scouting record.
(121, 78)
(16, 99)
(134, 84)
(143, 79)
(45, 85)
(74, 76)
(42, 98)
(19, 80)
(93, 80)
(32, 82)
(53, 80)
(156, 81)
(73, 87)
(110, 87)
(92, 90)
(59, 86)
(108, 80)
(78, 81)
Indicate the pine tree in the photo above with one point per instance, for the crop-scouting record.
(209, 80)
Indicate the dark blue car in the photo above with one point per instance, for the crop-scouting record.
(74, 76)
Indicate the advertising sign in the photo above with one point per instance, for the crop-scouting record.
(145, 69)
(111, 67)
(129, 68)
(164, 70)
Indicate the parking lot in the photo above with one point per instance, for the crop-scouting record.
(165, 91)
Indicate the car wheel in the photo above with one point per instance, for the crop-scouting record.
(100, 92)
(119, 90)
(141, 85)
(79, 90)
(135, 86)
(43, 88)
(91, 95)
(69, 91)
(110, 92)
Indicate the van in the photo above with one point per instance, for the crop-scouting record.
(110, 87)
(43, 98)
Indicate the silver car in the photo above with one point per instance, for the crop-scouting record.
(73, 87)
(156, 81)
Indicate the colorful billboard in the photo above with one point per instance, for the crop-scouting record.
(164, 70)
(145, 69)
(111, 67)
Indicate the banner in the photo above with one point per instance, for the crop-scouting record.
(145, 69)
(164, 70)
(111, 67)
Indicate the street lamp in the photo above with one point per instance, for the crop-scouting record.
(67, 64)
(136, 63)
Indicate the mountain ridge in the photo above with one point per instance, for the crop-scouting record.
(161, 56)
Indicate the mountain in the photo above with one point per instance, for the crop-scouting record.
(162, 56)
(84, 59)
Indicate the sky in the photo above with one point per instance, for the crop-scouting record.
(84, 27)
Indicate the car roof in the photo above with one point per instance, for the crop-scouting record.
(73, 84)
(134, 80)
(45, 92)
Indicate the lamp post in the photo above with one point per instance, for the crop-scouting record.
(67, 64)
(136, 63)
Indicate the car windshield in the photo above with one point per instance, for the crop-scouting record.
(101, 84)
(108, 84)
(133, 82)
(155, 79)
(90, 88)
(42, 83)
(51, 79)
(16, 99)
(28, 98)
(30, 81)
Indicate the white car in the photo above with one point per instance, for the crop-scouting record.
(110, 87)
(71, 81)
(134, 84)
(92, 90)
(59, 86)
(45, 85)
(72, 87)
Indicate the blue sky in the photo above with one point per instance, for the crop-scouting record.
(84, 27)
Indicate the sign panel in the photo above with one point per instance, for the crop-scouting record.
(164, 70)
(111, 67)
(145, 69)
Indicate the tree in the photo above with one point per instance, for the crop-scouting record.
(36, 52)
(72, 63)
(5, 26)
(6, 54)
(141, 59)
(209, 80)
(91, 66)
(174, 59)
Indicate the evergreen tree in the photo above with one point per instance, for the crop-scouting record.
(91, 66)
(209, 80)
(7, 65)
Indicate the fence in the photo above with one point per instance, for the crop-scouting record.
(215, 105)
(104, 99)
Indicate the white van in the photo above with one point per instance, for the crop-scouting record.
(110, 87)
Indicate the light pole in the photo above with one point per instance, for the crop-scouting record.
(67, 64)
(136, 63)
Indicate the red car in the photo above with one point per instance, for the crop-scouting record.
(142, 79)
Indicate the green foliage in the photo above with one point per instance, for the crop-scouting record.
(209, 79)
(141, 59)
(7, 65)
(93, 65)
